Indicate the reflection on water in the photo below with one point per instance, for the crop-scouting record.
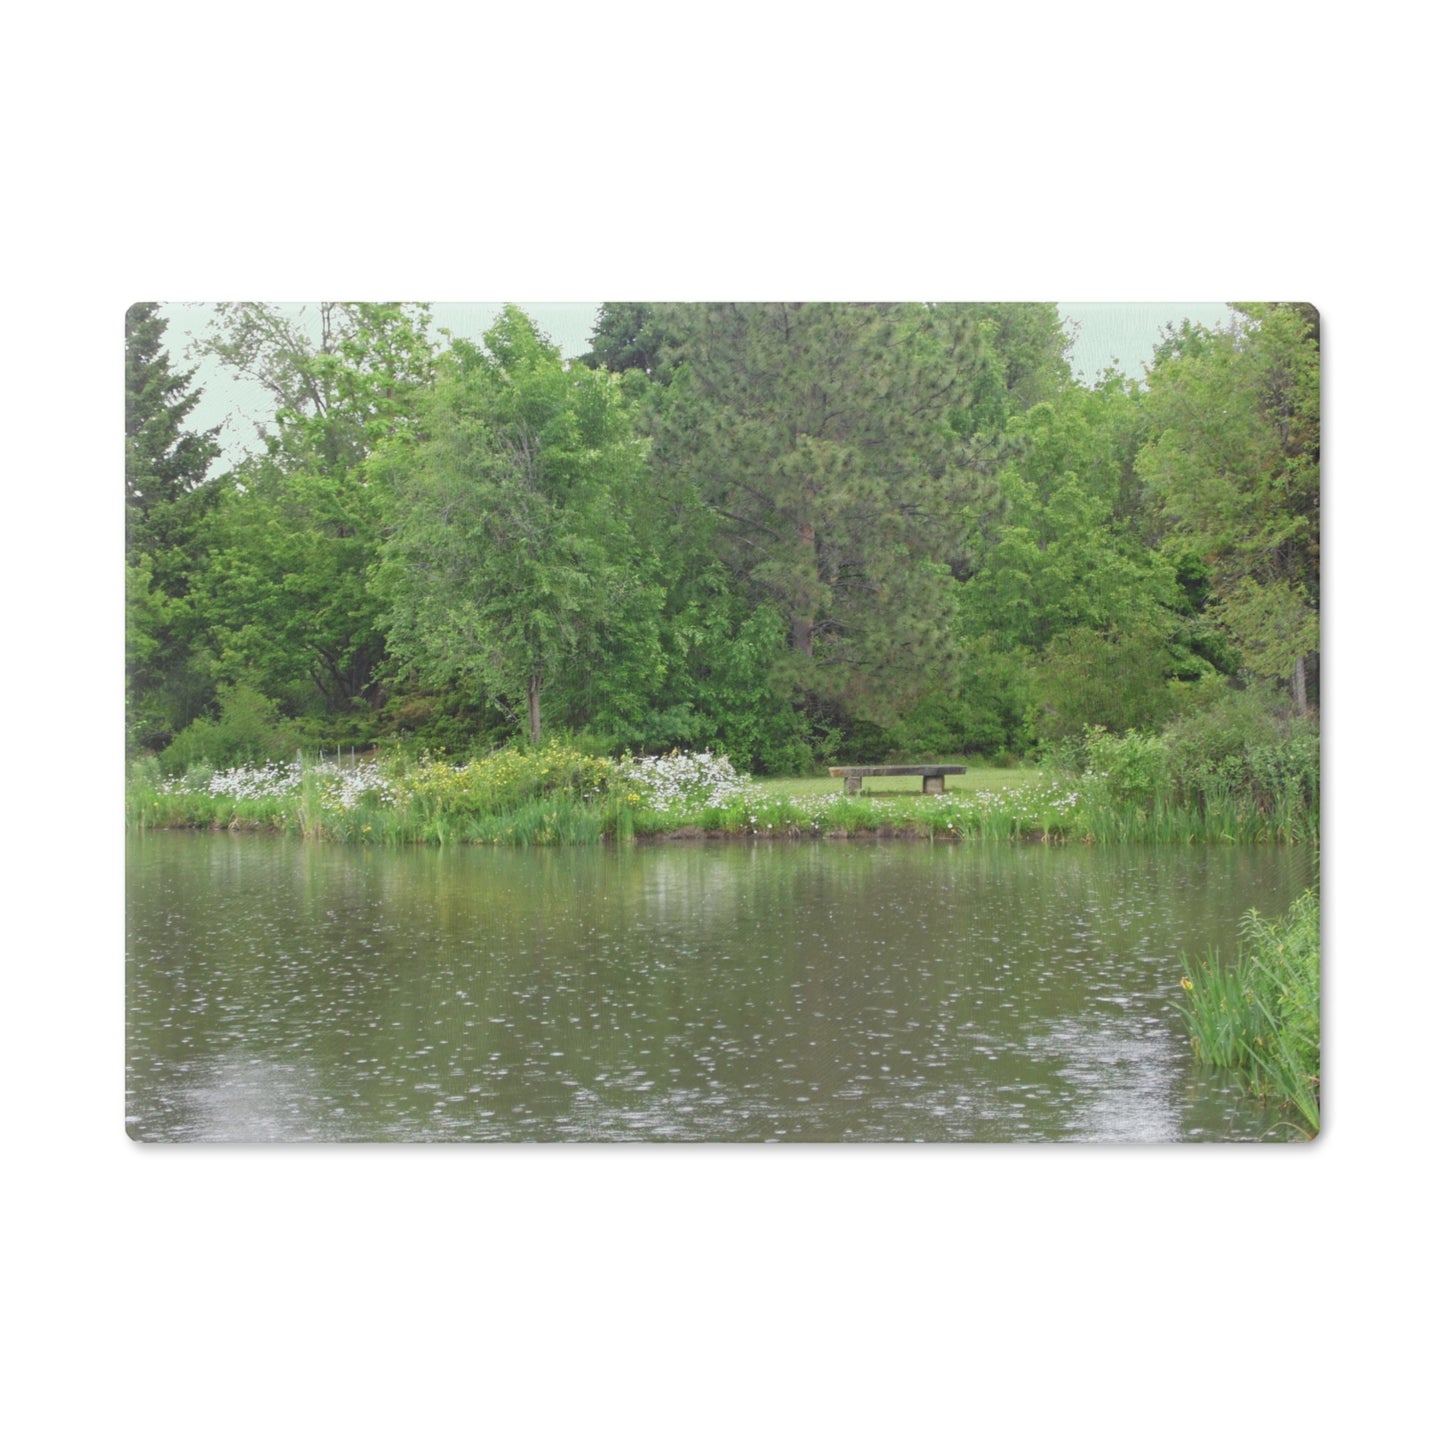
(287, 991)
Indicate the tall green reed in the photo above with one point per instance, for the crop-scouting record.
(1260, 1016)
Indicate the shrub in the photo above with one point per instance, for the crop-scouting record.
(501, 782)
(1117, 680)
(248, 729)
(786, 750)
(1234, 770)
(866, 742)
(1239, 747)
(940, 725)
(989, 710)
(1287, 771)
(454, 719)
(1135, 767)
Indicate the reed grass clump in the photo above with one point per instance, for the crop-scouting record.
(1260, 1015)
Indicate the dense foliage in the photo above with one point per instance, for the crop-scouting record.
(788, 534)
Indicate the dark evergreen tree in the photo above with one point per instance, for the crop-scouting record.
(628, 337)
(841, 449)
(165, 463)
(165, 498)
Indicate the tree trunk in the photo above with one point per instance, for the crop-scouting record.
(534, 707)
(802, 618)
(803, 635)
(1297, 687)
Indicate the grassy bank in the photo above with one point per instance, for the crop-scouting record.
(1259, 1016)
(557, 794)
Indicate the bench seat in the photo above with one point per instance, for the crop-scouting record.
(933, 774)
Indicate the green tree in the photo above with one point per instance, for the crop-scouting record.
(511, 564)
(341, 375)
(288, 606)
(628, 336)
(1061, 550)
(826, 440)
(718, 688)
(1094, 619)
(166, 498)
(1233, 465)
(1024, 362)
(165, 463)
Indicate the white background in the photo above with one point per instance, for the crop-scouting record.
(713, 1293)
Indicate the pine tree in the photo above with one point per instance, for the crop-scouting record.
(165, 499)
(165, 463)
(834, 444)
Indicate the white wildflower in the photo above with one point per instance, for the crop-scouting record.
(680, 781)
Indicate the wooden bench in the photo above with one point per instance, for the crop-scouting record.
(932, 774)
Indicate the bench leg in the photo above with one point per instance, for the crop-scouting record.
(851, 785)
(933, 785)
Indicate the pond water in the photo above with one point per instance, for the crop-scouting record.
(281, 990)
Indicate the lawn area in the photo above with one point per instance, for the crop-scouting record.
(973, 781)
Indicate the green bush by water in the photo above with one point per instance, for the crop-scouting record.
(1232, 772)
